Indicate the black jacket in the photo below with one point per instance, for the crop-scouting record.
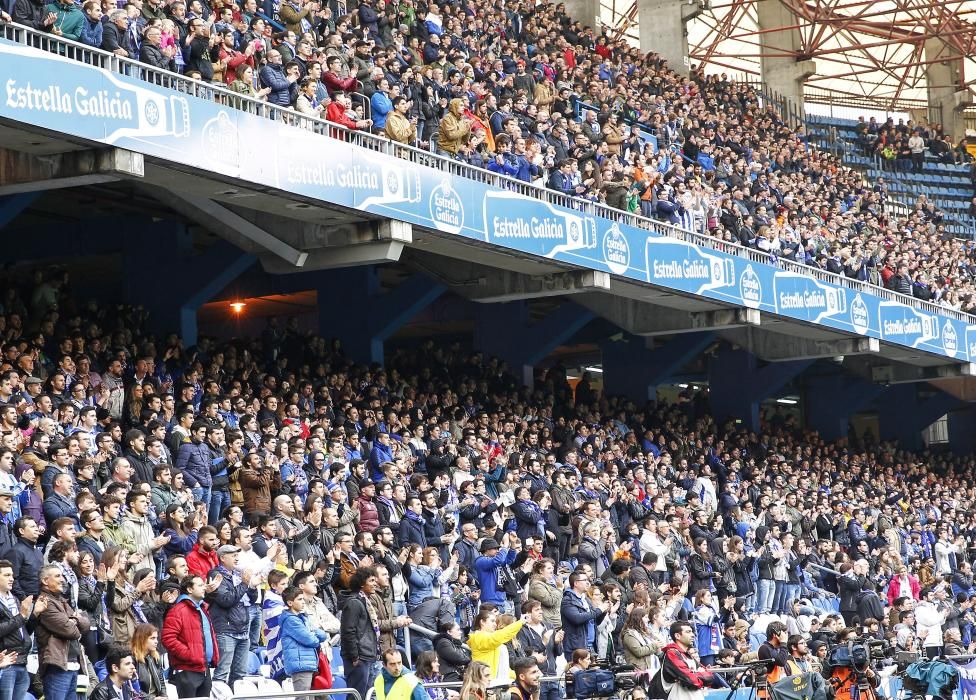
(15, 633)
(357, 636)
(454, 656)
(850, 587)
(105, 691)
(227, 611)
(27, 561)
(152, 56)
(114, 38)
(30, 13)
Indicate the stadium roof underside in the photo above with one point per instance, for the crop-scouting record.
(874, 52)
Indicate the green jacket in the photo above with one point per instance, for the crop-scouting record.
(68, 18)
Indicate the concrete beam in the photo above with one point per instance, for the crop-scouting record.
(229, 225)
(333, 258)
(776, 347)
(642, 318)
(909, 374)
(22, 172)
(305, 235)
(663, 29)
(947, 96)
(503, 285)
(784, 75)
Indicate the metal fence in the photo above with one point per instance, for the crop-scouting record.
(134, 69)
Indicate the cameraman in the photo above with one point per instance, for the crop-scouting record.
(774, 649)
(689, 678)
(799, 662)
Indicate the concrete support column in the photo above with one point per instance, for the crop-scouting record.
(944, 77)
(783, 74)
(585, 11)
(663, 29)
(737, 384)
(632, 369)
(353, 308)
(505, 331)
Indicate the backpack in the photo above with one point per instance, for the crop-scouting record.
(598, 683)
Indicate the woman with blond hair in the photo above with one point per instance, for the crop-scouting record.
(145, 654)
(476, 680)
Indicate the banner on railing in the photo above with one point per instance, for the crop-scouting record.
(52, 92)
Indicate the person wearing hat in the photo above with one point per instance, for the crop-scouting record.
(229, 603)
(486, 568)
(369, 515)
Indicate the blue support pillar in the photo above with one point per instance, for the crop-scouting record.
(174, 290)
(737, 384)
(831, 399)
(631, 369)
(353, 309)
(903, 414)
(962, 431)
(504, 331)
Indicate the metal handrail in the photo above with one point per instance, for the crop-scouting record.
(161, 78)
(296, 694)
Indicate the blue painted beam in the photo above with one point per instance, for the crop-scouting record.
(831, 399)
(633, 370)
(903, 415)
(505, 331)
(14, 205)
(377, 316)
(738, 384)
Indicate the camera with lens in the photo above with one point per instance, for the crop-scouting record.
(859, 654)
(602, 679)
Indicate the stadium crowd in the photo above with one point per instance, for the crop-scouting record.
(167, 511)
(525, 91)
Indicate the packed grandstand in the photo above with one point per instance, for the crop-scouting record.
(528, 93)
(175, 518)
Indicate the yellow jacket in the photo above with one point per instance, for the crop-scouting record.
(485, 645)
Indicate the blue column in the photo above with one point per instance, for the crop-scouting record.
(903, 414)
(738, 383)
(631, 369)
(505, 331)
(165, 277)
(831, 399)
(962, 431)
(353, 309)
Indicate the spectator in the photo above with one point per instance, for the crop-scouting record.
(299, 641)
(189, 637)
(59, 630)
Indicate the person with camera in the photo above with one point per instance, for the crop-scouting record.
(775, 651)
(683, 677)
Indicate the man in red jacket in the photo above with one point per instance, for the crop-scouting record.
(203, 559)
(189, 638)
(340, 112)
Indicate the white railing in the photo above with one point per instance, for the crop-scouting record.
(134, 69)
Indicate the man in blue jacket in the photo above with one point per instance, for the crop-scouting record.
(486, 569)
(194, 460)
(579, 615)
(229, 604)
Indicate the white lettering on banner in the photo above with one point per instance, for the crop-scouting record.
(546, 228)
(328, 176)
(53, 99)
(810, 299)
(909, 326)
(447, 209)
(682, 270)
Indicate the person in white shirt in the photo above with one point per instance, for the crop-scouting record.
(930, 615)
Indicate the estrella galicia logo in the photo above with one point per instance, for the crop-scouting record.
(446, 208)
(152, 113)
(616, 251)
(750, 288)
(950, 341)
(392, 182)
(860, 318)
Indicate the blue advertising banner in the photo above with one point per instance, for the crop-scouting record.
(49, 91)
